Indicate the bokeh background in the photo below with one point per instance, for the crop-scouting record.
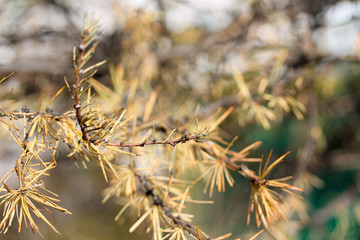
(189, 47)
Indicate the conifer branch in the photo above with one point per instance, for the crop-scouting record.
(183, 139)
(158, 201)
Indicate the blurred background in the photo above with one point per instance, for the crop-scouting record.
(308, 50)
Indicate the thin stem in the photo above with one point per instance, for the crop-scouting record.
(77, 70)
(173, 143)
(157, 200)
(246, 172)
(242, 169)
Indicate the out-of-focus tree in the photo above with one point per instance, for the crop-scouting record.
(283, 72)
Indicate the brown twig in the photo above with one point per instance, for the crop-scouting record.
(173, 143)
(157, 200)
(31, 115)
(78, 71)
(246, 172)
(242, 169)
